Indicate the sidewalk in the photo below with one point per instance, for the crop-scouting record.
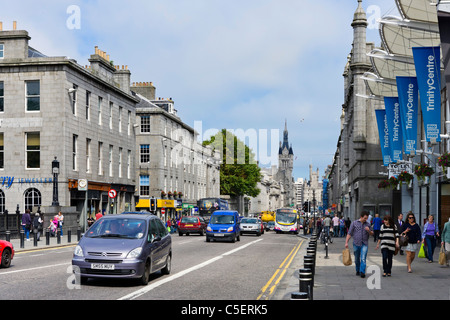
(29, 245)
(334, 281)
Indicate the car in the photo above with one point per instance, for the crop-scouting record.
(251, 225)
(192, 224)
(270, 225)
(262, 226)
(6, 253)
(224, 224)
(130, 246)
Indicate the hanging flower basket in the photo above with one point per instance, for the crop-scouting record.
(404, 176)
(394, 182)
(170, 194)
(384, 184)
(444, 162)
(180, 194)
(163, 194)
(423, 170)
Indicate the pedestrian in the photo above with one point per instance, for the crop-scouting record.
(26, 223)
(399, 224)
(360, 231)
(347, 225)
(98, 215)
(412, 230)
(376, 223)
(429, 237)
(336, 225)
(37, 225)
(445, 241)
(388, 240)
(341, 227)
(53, 226)
(60, 222)
(327, 225)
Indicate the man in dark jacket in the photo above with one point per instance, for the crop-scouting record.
(399, 223)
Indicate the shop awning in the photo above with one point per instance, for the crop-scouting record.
(143, 203)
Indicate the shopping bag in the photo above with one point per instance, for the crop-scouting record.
(346, 257)
(442, 256)
(422, 252)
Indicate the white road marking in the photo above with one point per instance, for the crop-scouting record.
(152, 286)
(36, 268)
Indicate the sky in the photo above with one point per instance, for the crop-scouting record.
(246, 65)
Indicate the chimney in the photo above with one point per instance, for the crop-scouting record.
(1, 26)
(14, 25)
(145, 89)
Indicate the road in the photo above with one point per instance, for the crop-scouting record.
(246, 270)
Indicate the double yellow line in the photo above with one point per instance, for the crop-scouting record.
(282, 268)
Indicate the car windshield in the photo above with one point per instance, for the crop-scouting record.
(221, 219)
(123, 228)
(247, 220)
(271, 223)
(189, 220)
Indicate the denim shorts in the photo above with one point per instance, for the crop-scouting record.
(413, 247)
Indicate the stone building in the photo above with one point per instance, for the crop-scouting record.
(84, 116)
(172, 166)
(285, 170)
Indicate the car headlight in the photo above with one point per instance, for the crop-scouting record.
(134, 253)
(78, 252)
(230, 229)
(209, 228)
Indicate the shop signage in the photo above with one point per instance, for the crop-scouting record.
(384, 136)
(408, 96)
(7, 182)
(392, 107)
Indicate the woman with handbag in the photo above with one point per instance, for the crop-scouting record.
(429, 236)
(412, 230)
(445, 238)
(388, 239)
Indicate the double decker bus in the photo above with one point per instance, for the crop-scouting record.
(288, 220)
(207, 206)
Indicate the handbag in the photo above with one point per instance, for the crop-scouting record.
(422, 252)
(403, 240)
(442, 256)
(346, 257)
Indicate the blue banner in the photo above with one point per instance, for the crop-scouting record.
(392, 107)
(383, 131)
(408, 96)
(428, 70)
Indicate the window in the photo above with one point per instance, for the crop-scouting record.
(129, 164)
(145, 124)
(33, 198)
(74, 100)
(2, 51)
(129, 122)
(74, 152)
(33, 152)
(120, 162)
(100, 101)
(111, 115)
(88, 105)
(2, 97)
(100, 158)
(145, 153)
(88, 155)
(120, 118)
(110, 160)
(2, 202)
(144, 185)
(2, 152)
(33, 89)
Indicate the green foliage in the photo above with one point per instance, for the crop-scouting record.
(239, 171)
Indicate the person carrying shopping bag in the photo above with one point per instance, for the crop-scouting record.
(429, 237)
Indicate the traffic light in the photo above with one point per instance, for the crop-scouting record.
(153, 205)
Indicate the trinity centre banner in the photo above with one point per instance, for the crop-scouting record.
(383, 131)
(428, 70)
(392, 107)
(408, 96)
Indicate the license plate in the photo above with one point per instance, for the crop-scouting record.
(189, 225)
(219, 235)
(102, 266)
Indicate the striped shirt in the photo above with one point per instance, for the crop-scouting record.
(388, 235)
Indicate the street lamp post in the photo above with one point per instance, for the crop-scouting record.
(55, 171)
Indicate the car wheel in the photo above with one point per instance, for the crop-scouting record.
(201, 233)
(146, 275)
(208, 239)
(233, 240)
(168, 267)
(238, 237)
(180, 234)
(6, 258)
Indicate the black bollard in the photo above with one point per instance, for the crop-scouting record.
(47, 237)
(35, 242)
(8, 236)
(22, 238)
(58, 236)
(308, 263)
(306, 282)
(69, 235)
(326, 250)
(79, 233)
(299, 296)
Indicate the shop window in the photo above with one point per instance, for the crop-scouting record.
(33, 198)
(2, 202)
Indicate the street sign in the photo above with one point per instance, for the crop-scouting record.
(396, 168)
(163, 210)
(112, 193)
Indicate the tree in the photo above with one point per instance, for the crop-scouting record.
(239, 171)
